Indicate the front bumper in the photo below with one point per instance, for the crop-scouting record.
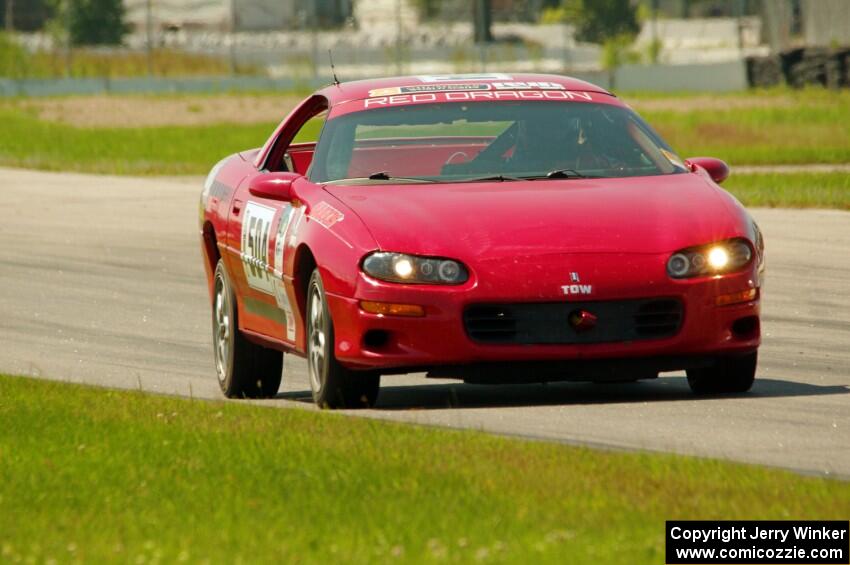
(439, 342)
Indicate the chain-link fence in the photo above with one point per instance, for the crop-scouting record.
(293, 40)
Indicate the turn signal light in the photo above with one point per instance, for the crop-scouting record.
(390, 309)
(737, 297)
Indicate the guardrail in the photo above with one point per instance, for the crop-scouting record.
(66, 86)
(715, 77)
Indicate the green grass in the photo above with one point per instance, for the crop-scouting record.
(28, 142)
(31, 143)
(96, 475)
(792, 190)
(81, 62)
(774, 127)
(809, 126)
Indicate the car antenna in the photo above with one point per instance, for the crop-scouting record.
(333, 70)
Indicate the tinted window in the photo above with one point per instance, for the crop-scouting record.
(461, 141)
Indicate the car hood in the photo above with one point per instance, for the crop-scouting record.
(524, 218)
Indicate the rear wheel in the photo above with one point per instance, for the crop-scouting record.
(333, 385)
(244, 369)
(727, 375)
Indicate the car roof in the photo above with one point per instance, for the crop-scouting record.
(360, 89)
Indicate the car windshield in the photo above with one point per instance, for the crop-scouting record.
(462, 142)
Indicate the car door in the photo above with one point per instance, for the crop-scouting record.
(262, 232)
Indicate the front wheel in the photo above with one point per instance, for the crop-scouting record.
(245, 369)
(727, 375)
(333, 385)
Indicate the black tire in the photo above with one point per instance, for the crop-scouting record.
(727, 375)
(333, 385)
(244, 369)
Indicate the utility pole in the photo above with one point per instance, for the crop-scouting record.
(481, 31)
(566, 53)
(398, 38)
(10, 15)
(232, 37)
(739, 15)
(655, 44)
(149, 35)
(68, 44)
(314, 40)
(483, 21)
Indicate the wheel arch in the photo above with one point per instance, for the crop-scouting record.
(303, 266)
(209, 244)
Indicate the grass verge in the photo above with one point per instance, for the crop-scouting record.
(99, 475)
(26, 141)
(80, 62)
(757, 127)
(791, 190)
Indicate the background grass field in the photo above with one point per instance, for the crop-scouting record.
(792, 190)
(752, 128)
(98, 475)
(80, 62)
(755, 127)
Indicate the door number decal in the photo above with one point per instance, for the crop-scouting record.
(256, 229)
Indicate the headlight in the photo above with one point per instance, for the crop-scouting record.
(399, 267)
(714, 259)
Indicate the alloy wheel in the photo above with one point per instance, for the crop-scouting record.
(317, 342)
(221, 330)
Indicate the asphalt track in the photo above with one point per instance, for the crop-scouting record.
(102, 283)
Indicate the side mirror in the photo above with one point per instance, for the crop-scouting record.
(274, 186)
(716, 169)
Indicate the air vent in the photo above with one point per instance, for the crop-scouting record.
(490, 323)
(658, 318)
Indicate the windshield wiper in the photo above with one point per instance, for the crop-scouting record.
(561, 174)
(384, 175)
(556, 174)
(565, 174)
(500, 178)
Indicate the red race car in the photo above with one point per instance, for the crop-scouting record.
(492, 228)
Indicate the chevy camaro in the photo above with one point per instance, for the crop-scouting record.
(493, 228)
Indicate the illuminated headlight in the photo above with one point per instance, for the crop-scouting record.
(718, 258)
(399, 267)
(714, 259)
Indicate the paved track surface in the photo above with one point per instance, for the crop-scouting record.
(102, 283)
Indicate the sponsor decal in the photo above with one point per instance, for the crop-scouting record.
(298, 215)
(282, 299)
(280, 238)
(528, 86)
(465, 87)
(575, 287)
(427, 88)
(256, 229)
(260, 272)
(326, 214)
(281, 245)
(211, 178)
(403, 99)
(464, 77)
(219, 190)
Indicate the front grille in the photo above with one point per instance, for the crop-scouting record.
(490, 323)
(548, 322)
(658, 318)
